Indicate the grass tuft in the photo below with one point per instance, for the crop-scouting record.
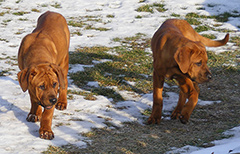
(20, 13)
(35, 10)
(145, 8)
(149, 8)
(56, 5)
(202, 28)
(210, 36)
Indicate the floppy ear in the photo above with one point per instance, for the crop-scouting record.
(24, 77)
(182, 57)
(58, 70)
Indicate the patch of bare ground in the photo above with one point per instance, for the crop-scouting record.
(206, 124)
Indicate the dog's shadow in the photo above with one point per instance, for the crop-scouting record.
(19, 113)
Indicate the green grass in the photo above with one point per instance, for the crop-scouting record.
(195, 15)
(91, 27)
(87, 23)
(76, 23)
(87, 95)
(4, 40)
(23, 19)
(201, 8)
(18, 1)
(44, 5)
(193, 21)
(235, 40)
(6, 21)
(150, 8)
(56, 5)
(224, 17)
(175, 15)
(35, 10)
(210, 36)
(3, 73)
(226, 61)
(121, 67)
(138, 17)
(159, 7)
(147, 112)
(202, 28)
(88, 10)
(85, 55)
(110, 16)
(2, 13)
(77, 33)
(145, 8)
(20, 13)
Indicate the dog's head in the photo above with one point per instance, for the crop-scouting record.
(192, 60)
(42, 82)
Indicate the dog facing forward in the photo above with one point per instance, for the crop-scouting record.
(179, 53)
(43, 60)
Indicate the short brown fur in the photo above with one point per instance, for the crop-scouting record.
(179, 52)
(43, 60)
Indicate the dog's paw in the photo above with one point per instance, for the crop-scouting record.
(183, 119)
(33, 118)
(61, 106)
(184, 116)
(46, 134)
(175, 115)
(152, 120)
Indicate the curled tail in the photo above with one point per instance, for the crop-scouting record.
(214, 43)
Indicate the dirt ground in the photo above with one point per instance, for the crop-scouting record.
(206, 124)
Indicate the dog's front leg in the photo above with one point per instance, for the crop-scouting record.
(157, 99)
(62, 100)
(35, 113)
(191, 89)
(45, 131)
(181, 101)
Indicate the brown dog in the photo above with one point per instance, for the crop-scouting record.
(179, 53)
(43, 61)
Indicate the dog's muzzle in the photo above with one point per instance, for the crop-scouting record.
(45, 107)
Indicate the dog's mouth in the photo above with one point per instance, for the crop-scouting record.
(48, 107)
(45, 107)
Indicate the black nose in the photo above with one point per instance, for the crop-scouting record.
(209, 76)
(53, 100)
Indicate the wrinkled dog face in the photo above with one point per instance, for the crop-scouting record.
(198, 69)
(192, 60)
(45, 85)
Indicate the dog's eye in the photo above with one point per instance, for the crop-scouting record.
(199, 63)
(54, 84)
(42, 87)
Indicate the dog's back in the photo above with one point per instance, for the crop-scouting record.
(49, 23)
(182, 27)
(44, 42)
